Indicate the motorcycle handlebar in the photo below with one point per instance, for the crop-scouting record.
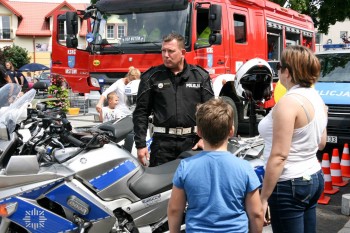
(74, 140)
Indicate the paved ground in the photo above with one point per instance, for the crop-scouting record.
(329, 217)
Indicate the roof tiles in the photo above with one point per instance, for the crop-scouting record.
(34, 16)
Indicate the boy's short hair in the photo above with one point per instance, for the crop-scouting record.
(214, 119)
(111, 95)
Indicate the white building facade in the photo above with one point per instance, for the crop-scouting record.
(334, 36)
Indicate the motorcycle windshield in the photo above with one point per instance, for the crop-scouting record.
(17, 107)
(8, 94)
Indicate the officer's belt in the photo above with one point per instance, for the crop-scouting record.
(175, 131)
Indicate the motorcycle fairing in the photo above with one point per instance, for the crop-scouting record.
(34, 218)
(62, 193)
(149, 210)
(108, 178)
(37, 192)
(23, 187)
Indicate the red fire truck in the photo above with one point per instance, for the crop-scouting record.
(229, 38)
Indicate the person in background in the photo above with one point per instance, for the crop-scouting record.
(36, 77)
(170, 92)
(30, 80)
(29, 77)
(216, 201)
(22, 81)
(10, 70)
(203, 38)
(110, 112)
(150, 31)
(293, 131)
(143, 32)
(155, 35)
(4, 78)
(119, 88)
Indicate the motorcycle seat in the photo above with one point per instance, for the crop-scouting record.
(155, 180)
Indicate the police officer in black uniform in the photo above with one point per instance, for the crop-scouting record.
(170, 92)
(22, 80)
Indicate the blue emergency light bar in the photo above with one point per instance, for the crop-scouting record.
(336, 46)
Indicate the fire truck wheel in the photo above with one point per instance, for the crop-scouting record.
(235, 113)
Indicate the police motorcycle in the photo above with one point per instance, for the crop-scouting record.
(91, 185)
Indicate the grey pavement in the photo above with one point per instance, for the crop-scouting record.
(83, 120)
(329, 217)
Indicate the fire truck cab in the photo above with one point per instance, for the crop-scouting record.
(237, 42)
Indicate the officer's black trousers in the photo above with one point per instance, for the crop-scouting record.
(165, 147)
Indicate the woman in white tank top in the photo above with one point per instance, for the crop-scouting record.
(293, 132)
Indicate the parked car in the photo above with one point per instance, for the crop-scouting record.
(45, 77)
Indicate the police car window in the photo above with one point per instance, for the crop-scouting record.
(335, 67)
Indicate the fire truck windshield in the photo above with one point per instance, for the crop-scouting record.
(127, 30)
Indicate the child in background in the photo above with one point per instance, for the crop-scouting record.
(110, 112)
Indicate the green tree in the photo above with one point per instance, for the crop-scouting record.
(332, 11)
(323, 12)
(15, 54)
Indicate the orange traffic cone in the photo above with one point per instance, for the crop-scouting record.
(345, 161)
(328, 186)
(337, 178)
(324, 200)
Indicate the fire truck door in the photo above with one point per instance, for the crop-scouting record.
(211, 57)
(240, 47)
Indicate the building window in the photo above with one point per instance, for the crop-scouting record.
(5, 33)
(240, 28)
(121, 31)
(110, 31)
(61, 30)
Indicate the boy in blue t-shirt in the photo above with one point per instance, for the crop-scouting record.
(221, 190)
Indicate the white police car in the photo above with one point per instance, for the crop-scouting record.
(334, 88)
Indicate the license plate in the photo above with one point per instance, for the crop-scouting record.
(332, 139)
